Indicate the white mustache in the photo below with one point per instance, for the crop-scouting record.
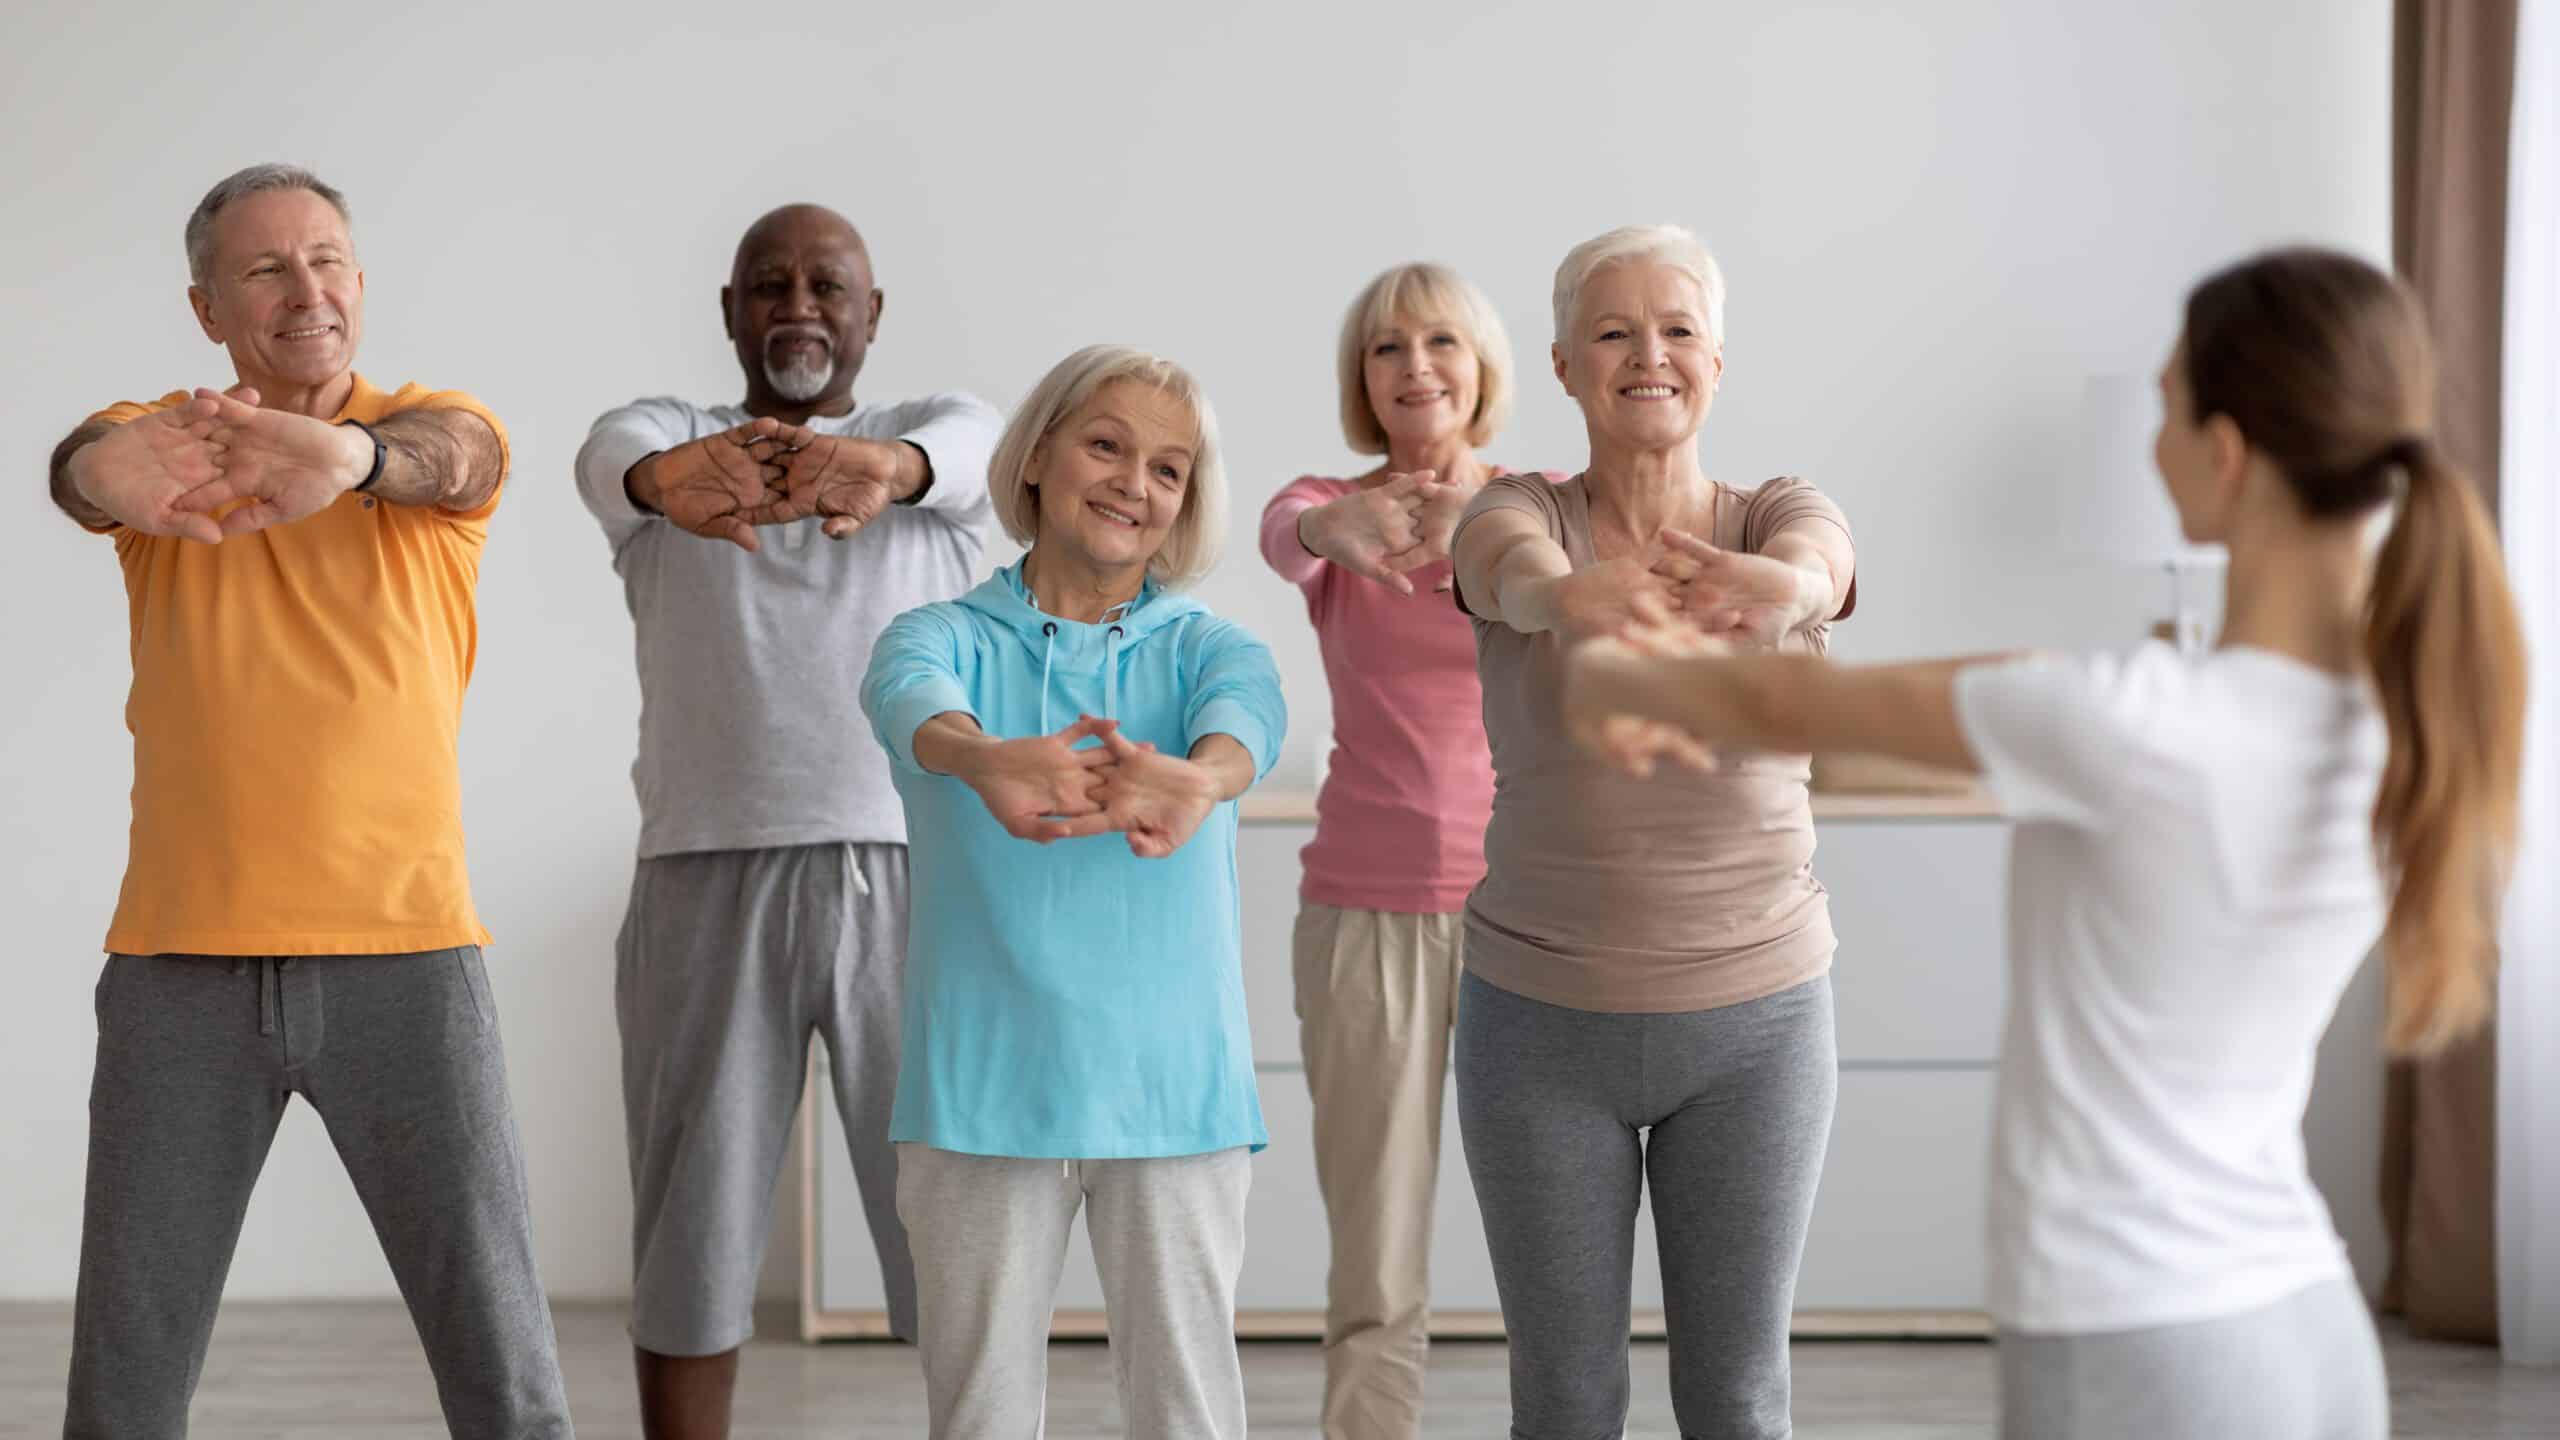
(788, 333)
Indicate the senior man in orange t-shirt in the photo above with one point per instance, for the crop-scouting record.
(300, 553)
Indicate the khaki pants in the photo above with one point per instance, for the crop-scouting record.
(1377, 993)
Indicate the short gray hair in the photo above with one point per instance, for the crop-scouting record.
(239, 185)
(1199, 531)
(1669, 245)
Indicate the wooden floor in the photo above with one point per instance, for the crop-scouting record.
(304, 1371)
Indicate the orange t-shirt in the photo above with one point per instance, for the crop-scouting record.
(296, 709)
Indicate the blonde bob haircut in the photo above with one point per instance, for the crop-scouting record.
(1655, 244)
(1423, 294)
(1199, 531)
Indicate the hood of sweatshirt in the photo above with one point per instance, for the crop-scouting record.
(1050, 643)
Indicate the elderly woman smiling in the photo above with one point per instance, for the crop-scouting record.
(1075, 1023)
(1647, 991)
(1425, 377)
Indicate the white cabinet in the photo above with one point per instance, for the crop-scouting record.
(1897, 1238)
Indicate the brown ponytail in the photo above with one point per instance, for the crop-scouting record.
(2447, 652)
(2323, 363)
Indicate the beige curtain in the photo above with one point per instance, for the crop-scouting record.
(2453, 87)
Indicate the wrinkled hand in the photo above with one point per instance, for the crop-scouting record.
(1158, 800)
(1443, 506)
(1604, 599)
(141, 472)
(1381, 532)
(1601, 673)
(722, 486)
(844, 479)
(276, 465)
(1042, 788)
(1749, 599)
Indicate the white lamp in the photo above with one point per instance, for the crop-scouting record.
(2123, 513)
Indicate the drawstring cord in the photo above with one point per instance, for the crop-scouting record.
(267, 970)
(1049, 648)
(1111, 673)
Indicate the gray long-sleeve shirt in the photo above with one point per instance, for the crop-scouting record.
(751, 726)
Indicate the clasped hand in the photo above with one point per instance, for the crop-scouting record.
(169, 472)
(764, 472)
(1045, 788)
(1380, 533)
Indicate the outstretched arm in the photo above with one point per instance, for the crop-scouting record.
(144, 474)
(1789, 703)
(450, 459)
(66, 488)
(279, 466)
(1039, 788)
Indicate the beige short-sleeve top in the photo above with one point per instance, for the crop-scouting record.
(1603, 892)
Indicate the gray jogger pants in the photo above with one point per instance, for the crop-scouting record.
(197, 1057)
(1565, 1115)
(991, 1237)
(729, 960)
(2306, 1367)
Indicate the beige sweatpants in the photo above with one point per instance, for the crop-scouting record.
(1377, 993)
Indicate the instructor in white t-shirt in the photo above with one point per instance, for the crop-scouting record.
(2206, 851)
(763, 547)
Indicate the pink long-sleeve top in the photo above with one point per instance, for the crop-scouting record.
(1400, 820)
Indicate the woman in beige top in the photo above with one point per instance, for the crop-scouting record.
(1647, 988)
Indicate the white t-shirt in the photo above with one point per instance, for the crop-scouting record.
(2192, 884)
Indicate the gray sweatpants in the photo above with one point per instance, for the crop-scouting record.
(1565, 1115)
(197, 1058)
(991, 1236)
(2306, 1367)
(729, 960)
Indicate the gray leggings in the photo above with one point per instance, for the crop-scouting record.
(1565, 1115)
(2306, 1367)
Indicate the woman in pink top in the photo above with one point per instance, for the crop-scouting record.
(1426, 379)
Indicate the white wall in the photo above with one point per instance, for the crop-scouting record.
(1935, 227)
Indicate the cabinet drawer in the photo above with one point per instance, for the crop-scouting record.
(1921, 909)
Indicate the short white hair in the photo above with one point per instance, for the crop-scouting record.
(1199, 531)
(1670, 245)
(1422, 293)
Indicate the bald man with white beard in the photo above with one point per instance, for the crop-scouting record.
(763, 547)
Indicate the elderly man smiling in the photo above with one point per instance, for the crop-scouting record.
(300, 554)
(763, 547)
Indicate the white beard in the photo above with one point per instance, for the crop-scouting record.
(801, 379)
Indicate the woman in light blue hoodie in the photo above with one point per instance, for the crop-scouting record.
(1069, 739)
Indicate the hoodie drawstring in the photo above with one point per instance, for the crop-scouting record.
(1049, 647)
(1111, 672)
(1110, 669)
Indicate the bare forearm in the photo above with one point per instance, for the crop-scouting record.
(65, 481)
(1799, 704)
(1227, 761)
(951, 744)
(640, 482)
(1825, 571)
(1520, 590)
(915, 474)
(450, 459)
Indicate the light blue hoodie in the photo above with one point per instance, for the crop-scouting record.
(1070, 1000)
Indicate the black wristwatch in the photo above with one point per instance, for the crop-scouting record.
(379, 454)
